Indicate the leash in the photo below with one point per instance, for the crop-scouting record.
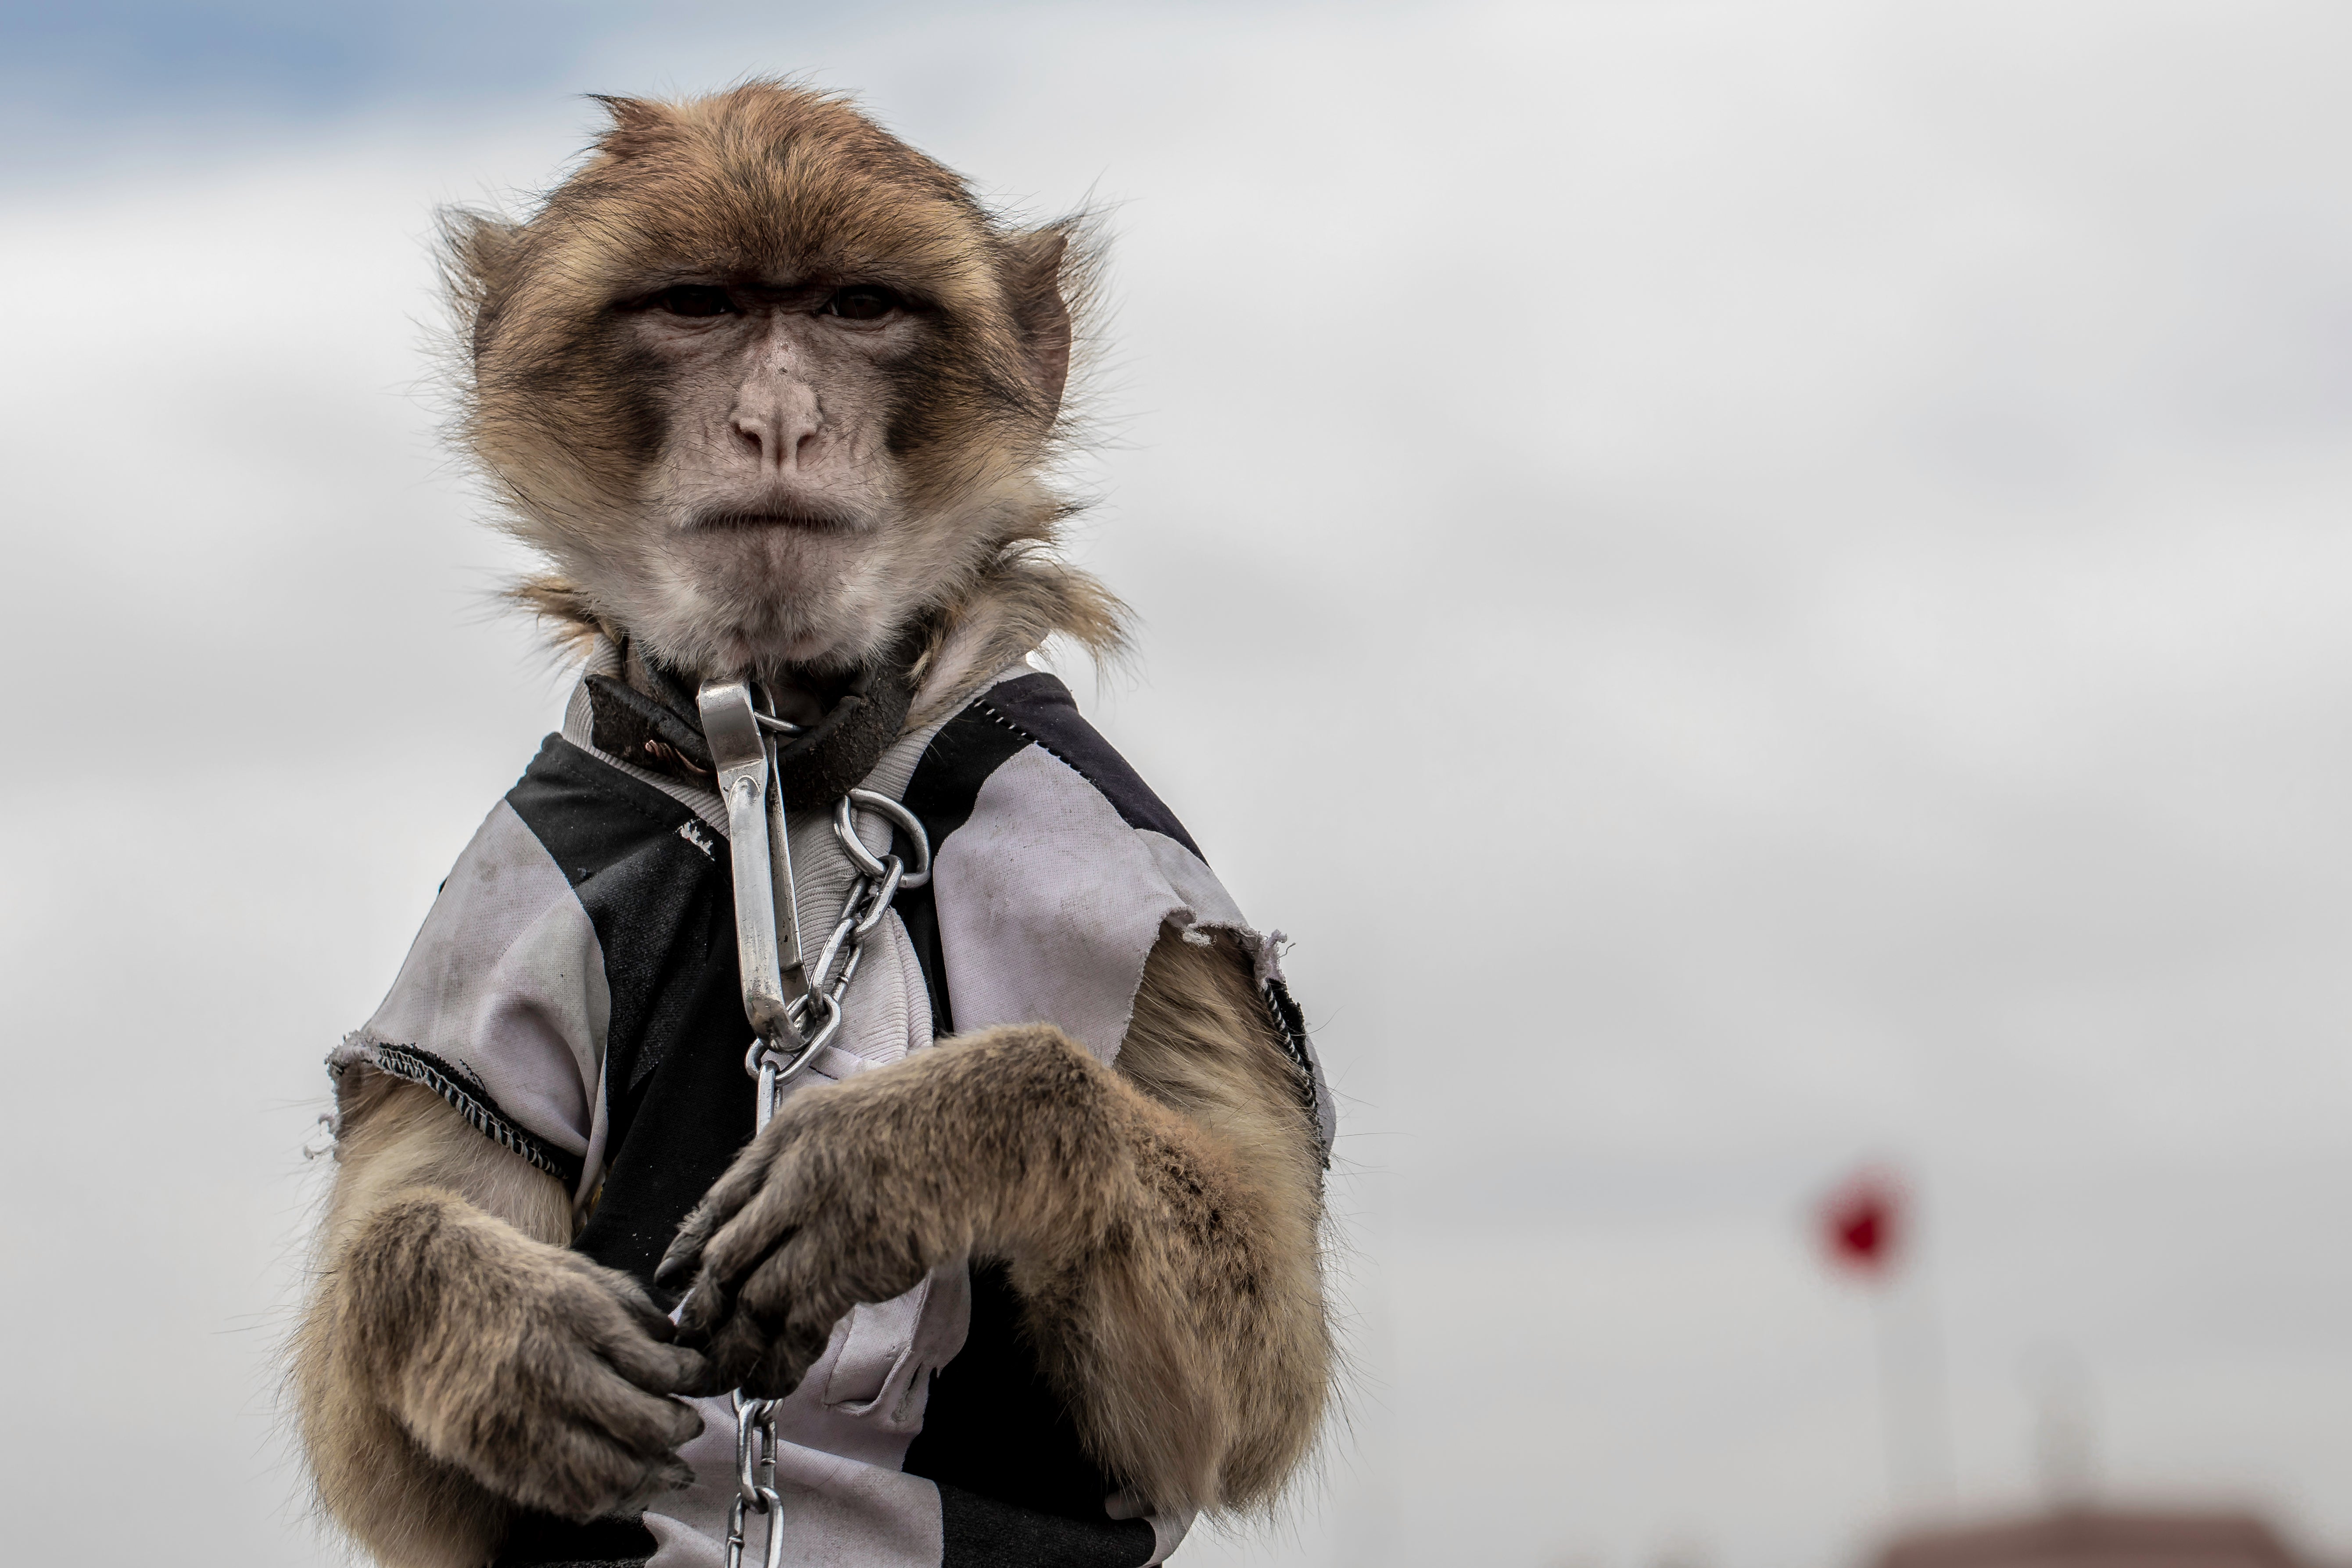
(794, 1008)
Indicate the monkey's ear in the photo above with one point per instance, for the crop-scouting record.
(637, 124)
(479, 255)
(476, 247)
(1032, 279)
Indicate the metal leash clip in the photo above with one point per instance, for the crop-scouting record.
(775, 980)
(794, 1011)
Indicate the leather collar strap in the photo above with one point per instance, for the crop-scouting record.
(660, 728)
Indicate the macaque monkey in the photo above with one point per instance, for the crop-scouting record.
(1029, 1257)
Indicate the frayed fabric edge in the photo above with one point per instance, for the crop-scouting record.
(464, 1094)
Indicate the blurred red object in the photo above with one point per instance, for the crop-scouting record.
(1863, 1221)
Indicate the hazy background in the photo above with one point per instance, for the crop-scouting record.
(1758, 585)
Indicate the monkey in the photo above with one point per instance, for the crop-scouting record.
(1030, 1259)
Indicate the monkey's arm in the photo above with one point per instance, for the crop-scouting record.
(1160, 1222)
(454, 1358)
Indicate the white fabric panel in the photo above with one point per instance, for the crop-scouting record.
(507, 980)
(1049, 903)
(845, 1432)
(887, 1011)
(1167, 1534)
(1206, 906)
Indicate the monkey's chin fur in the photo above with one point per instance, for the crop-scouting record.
(765, 599)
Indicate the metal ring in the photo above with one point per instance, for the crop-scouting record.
(906, 822)
(747, 1457)
(892, 880)
(789, 1071)
(761, 1047)
(764, 1053)
(820, 975)
(770, 1094)
(772, 1504)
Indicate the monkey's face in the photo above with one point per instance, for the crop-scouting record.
(764, 383)
(775, 512)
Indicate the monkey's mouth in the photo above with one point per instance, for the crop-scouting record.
(800, 517)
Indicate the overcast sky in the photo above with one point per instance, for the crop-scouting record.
(1759, 587)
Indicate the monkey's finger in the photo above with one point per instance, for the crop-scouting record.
(793, 1298)
(646, 1317)
(657, 1368)
(728, 1197)
(733, 1342)
(789, 1356)
(649, 1424)
(684, 1252)
(735, 1254)
(693, 1237)
(752, 1171)
(745, 1243)
(704, 1311)
(581, 1473)
(710, 1377)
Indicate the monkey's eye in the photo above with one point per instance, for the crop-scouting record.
(863, 302)
(694, 300)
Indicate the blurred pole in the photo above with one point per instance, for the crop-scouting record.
(1869, 1226)
(1912, 1407)
(2065, 1449)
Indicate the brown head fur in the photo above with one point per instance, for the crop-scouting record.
(779, 187)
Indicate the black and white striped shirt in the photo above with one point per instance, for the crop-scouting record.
(574, 994)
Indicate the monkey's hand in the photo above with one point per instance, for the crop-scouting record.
(1009, 1144)
(1158, 1222)
(541, 1374)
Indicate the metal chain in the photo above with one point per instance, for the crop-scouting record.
(755, 1480)
(877, 884)
(814, 1018)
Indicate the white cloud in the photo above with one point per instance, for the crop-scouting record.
(1755, 585)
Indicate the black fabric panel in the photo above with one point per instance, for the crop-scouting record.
(1041, 708)
(963, 754)
(1290, 1023)
(675, 1135)
(993, 1426)
(659, 888)
(656, 885)
(979, 1533)
(920, 915)
(543, 1541)
(591, 815)
(666, 920)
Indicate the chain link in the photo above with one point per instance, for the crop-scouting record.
(755, 1480)
(815, 1015)
(878, 882)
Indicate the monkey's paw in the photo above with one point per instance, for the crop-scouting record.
(857, 1190)
(547, 1378)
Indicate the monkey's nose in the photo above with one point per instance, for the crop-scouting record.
(775, 423)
